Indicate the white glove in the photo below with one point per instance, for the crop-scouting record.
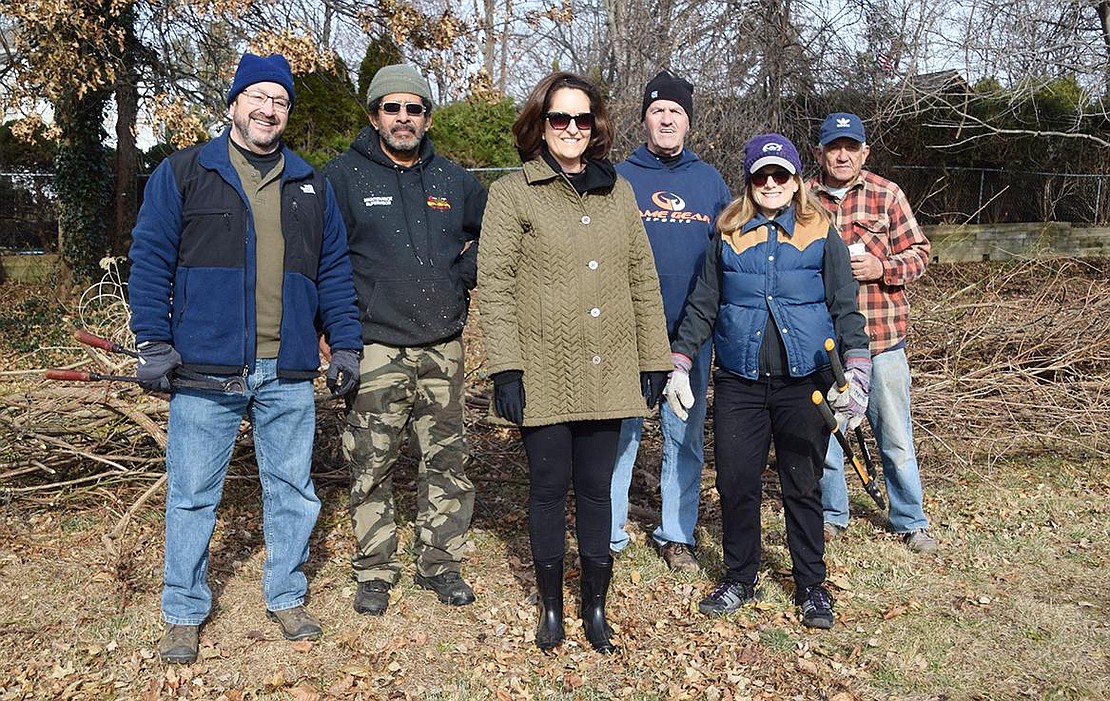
(680, 398)
(851, 404)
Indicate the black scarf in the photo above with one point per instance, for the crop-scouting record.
(599, 175)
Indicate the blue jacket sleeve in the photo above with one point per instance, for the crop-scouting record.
(153, 254)
(335, 284)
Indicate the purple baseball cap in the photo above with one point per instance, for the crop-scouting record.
(768, 149)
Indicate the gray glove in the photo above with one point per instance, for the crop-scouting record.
(157, 361)
(343, 372)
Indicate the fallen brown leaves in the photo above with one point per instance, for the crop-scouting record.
(1007, 360)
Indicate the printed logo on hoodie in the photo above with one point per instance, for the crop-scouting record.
(385, 201)
(439, 202)
(671, 207)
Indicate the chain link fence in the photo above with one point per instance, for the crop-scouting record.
(994, 196)
(28, 218)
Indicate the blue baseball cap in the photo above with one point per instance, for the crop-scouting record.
(841, 124)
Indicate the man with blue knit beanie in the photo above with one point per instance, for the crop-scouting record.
(679, 197)
(239, 256)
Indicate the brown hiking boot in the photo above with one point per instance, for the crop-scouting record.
(296, 623)
(833, 531)
(679, 557)
(179, 644)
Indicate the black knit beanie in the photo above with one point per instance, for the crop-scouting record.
(667, 86)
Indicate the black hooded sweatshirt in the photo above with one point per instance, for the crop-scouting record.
(408, 230)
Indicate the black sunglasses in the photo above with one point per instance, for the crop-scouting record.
(412, 109)
(561, 120)
(781, 177)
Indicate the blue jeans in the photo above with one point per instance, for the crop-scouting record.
(680, 475)
(888, 411)
(202, 429)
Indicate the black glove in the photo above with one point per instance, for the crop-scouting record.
(508, 395)
(157, 361)
(343, 372)
(652, 384)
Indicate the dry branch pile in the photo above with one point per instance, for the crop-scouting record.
(1012, 360)
(1007, 360)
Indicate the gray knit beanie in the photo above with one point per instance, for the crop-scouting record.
(398, 78)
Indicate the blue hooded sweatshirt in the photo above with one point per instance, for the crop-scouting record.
(679, 203)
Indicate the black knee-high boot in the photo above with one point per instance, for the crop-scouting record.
(595, 586)
(549, 582)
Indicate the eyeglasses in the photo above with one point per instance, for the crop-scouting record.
(256, 98)
(412, 109)
(562, 120)
(780, 177)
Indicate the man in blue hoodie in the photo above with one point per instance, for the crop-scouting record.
(679, 196)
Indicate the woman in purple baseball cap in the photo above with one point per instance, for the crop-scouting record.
(776, 283)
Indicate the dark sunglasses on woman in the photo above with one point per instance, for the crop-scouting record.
(561, 120)
(781, 177)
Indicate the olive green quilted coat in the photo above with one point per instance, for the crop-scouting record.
(567, 292)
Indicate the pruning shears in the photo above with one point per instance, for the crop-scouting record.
(865, 469)
(181, 379)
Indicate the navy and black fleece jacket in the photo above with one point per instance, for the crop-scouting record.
(193, 265)
(413, 233)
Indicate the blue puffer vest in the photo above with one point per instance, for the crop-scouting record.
(770, 274)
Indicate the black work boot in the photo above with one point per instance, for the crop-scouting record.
(595, 586)
(549, 582)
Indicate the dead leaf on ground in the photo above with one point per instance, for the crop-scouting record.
(304, 693)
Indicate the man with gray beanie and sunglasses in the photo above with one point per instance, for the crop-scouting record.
(413, 219)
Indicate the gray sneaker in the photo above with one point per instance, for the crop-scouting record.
(817, 607)
(179, 644)
(296, 623)
(920, 541)
(727, 597)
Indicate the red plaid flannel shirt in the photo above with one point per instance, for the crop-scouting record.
(875, 211)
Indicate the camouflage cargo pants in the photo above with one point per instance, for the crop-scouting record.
(415, 393)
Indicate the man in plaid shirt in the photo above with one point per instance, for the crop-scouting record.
(889, 251)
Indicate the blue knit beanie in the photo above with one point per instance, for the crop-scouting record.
(255, 69)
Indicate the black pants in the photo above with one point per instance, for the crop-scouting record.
(583, 452)
(746, 415)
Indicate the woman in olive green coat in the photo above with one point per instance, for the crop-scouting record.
(574, 330)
